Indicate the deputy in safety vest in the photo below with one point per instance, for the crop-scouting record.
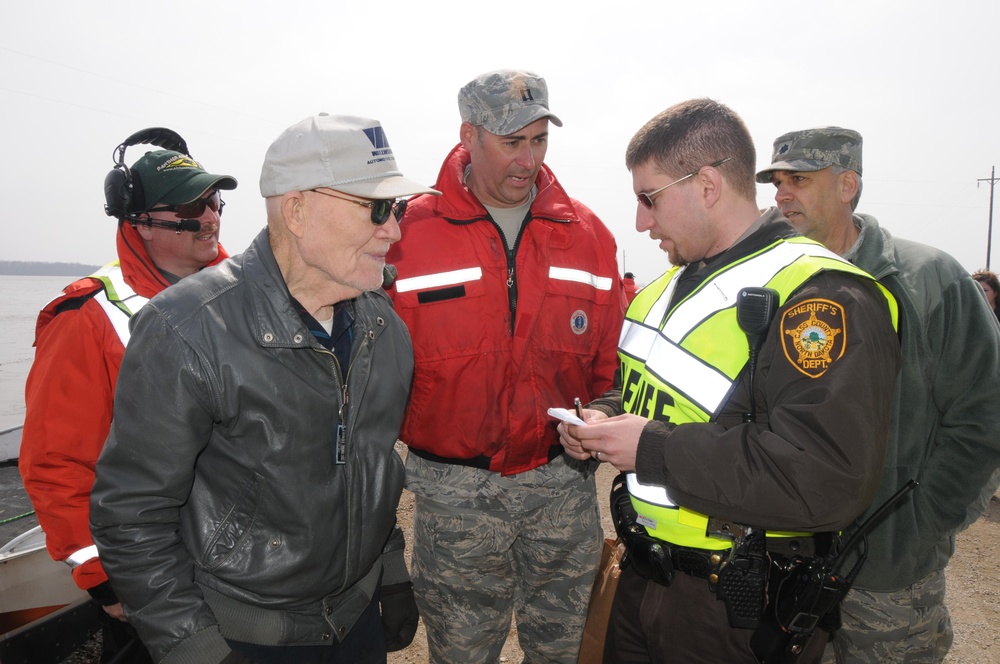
(722, 455)
(169, 212)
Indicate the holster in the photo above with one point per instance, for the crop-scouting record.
(804, 595)
(737, 577)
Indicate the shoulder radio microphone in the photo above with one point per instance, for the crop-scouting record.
(755, 309)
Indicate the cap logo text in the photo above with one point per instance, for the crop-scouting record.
(178, 162)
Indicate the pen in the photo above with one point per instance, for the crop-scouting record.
(579, 407)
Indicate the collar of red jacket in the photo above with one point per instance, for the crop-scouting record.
(458, 202)
(138, 269)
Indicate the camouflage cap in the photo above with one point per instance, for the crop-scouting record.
(813, 150)
(504, 101)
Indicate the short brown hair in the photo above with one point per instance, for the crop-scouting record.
(693, 134)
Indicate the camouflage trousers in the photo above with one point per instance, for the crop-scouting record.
(486, 547)
(910, 625)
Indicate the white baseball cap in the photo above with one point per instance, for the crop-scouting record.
(345, 153)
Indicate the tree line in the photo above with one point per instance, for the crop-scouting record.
(40, 269)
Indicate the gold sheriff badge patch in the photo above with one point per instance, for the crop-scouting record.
(813, 335)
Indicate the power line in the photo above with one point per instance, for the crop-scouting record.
(989, 233)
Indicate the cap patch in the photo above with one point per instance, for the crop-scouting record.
(178, 161)
(505, 101)
(578, 322)
(382, 151)
(813, 335)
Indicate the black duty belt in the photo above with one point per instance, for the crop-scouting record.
(658, 560)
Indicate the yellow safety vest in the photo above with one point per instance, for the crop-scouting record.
(681, 365)
(119, 301)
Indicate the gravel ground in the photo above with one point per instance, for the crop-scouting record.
(973, 577)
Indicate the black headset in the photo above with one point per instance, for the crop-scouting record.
(122, 190)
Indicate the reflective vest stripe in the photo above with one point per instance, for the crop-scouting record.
(721, 290)
(83, 555)
(580, 276)
(705, 385)
(438, 280)
(117, 299)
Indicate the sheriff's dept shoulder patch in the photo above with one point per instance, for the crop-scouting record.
(813, 335)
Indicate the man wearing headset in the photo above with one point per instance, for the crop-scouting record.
(169, 210)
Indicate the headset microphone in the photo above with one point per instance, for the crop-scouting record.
(190, 225)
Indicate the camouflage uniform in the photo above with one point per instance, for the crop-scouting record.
(910, 625)
(485, 544)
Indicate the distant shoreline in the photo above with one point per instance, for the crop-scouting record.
(38, 269)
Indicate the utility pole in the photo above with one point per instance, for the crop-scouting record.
(989, 233)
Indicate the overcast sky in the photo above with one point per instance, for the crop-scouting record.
(917, 79)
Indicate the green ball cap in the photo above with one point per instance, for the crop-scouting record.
(171, 178)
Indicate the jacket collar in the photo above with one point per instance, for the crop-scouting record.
(873, 249)
(277, 323)
(138, 269)
(458, 203)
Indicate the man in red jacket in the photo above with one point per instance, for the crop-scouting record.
(169, 211)
(511, 293)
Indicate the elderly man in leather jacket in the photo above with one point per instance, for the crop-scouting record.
(245, 502)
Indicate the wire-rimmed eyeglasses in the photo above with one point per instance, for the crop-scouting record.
(647, 199)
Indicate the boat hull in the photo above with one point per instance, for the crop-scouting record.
(32, 585)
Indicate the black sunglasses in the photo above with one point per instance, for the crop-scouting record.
(194, 209)
(380, 207)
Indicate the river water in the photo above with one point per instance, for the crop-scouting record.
(21, 298)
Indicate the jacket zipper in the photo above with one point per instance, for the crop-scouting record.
(511, 256)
